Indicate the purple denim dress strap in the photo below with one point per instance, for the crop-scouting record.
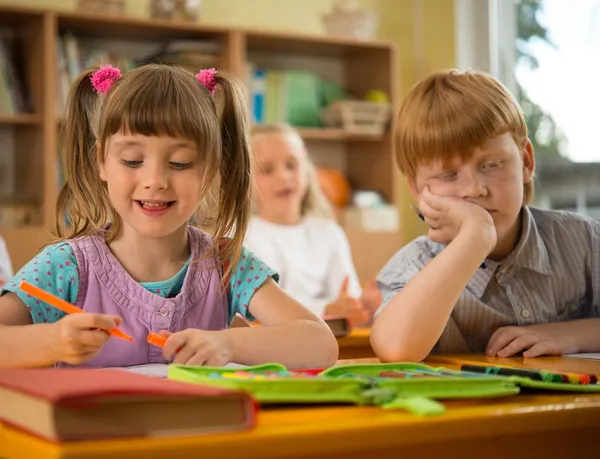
(105, 287)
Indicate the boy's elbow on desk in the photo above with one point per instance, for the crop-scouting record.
(395, 350)
(401, 354)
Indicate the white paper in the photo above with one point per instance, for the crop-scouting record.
(591, 356)
(152, 369)
(160, 370)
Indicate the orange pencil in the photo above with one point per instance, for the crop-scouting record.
(156, 339)
(64, 306)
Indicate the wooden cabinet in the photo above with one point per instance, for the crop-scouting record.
(29, 141)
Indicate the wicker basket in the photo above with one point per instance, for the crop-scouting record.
(353, 24)
(357, 116)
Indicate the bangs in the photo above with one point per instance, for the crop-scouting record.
(448, 115)
(162, 101)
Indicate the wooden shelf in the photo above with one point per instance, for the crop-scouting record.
(124, 27)
(21, 119)
(15, 16)
(356, 65)
(22, 199)
(315, 45)
(338, 135)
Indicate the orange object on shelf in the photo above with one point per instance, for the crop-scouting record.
(335, 185)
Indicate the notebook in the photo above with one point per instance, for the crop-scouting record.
(589, 356)
(84, 404)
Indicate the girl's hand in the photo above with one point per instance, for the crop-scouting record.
(347, 306)
(79, 337)
(198, 347)
(447, 217)
(371, 297)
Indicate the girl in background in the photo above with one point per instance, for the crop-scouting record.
(294, 230)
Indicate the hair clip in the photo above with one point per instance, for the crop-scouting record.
(207, 78)
(104, 77)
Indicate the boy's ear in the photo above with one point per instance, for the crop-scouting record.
(414, 191)
(100, 160)
(528, 161)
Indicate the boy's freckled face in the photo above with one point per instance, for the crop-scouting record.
(493, 178)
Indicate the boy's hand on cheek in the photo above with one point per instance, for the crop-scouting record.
(198, 347)
(533, 340)
(449, 216)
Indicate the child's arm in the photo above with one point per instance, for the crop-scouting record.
(412, 322)
(558, 338)
(342, 285)
(33, 333)
(21, 343)
(290, 334)
(74, 339)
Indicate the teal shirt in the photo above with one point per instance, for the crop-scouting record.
(55, 270)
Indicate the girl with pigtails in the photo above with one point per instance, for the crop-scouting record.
(146, 154)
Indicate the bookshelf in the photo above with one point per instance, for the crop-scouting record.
(358, 66)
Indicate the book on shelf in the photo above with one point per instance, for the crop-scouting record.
(74, 404)
(275, 96)
(14, 97)
(75, 54)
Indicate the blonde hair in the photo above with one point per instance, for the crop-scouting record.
(449, 114)
(157, 100)
(315, 203)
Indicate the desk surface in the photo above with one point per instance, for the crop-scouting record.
(533, 425)
(566, 364)
(356, 345)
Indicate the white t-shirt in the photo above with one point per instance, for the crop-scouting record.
(6, 271)
(312, 259)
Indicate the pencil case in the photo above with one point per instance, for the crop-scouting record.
(273, 383)
(360, 384)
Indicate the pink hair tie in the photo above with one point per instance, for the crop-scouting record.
(104, 77)
(207, 78)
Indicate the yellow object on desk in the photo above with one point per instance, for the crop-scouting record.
(356, 345)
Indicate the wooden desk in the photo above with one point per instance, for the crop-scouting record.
(528, 426)
(566, 364)
(356, 345)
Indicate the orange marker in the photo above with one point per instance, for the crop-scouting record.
(64, 306)
(156, 339)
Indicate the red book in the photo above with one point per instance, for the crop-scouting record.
(86, 404)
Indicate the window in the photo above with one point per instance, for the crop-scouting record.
(548, 53)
